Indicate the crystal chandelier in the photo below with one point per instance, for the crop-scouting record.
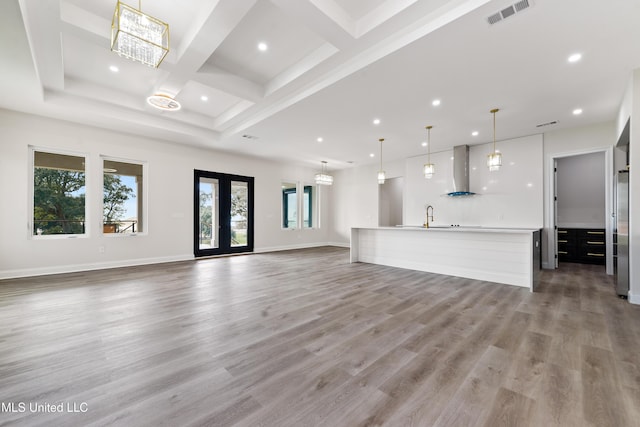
(381, 174)
(494, 160)
(139, 37)
(429, 168)
(323, 178)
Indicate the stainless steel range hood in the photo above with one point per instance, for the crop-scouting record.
(460, 172)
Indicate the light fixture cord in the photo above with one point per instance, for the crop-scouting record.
(140, 5)
(494, 132)
(381, 155)
(429, 145)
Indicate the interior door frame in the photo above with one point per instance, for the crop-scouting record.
(552, 241)
(224, 209)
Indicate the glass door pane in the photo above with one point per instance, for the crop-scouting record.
(208, 236)
(239, 218)
(223, 213)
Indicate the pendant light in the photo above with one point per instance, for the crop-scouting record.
(381, 174)
(429, 168)
(494, 160)
(323, 178)
(138, 36)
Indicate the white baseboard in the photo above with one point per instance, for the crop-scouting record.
(74, 268)
(633, 298)
(339, 244)
(289, 247)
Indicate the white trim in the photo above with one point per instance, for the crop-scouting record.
(288, 247)
(87, 194)
(633, 298)
(145, 194)
(43, 271)
(339, 244)
(608, 170)
(74, 268)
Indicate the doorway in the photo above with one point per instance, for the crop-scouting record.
(580, 206)
(390, 202)
(223, 213)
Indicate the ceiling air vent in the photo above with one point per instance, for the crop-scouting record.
(521, 5)
(249, 136)
(508, 11)
(555, 122)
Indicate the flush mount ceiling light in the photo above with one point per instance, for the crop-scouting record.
(381, 174)
(429, 168)
(139, 37)
(323, 178)
(163, 102)
(494, 160)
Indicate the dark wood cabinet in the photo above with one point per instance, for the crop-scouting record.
(582, 245)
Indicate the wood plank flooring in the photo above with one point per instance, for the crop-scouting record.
(303, 338)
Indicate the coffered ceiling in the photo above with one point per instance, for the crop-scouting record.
(331, 67)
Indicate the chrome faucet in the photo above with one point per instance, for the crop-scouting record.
(426, 224)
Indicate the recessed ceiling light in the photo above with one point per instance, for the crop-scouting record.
(577, 111)
(371, 155)
(424, 143)
(575, 57)
(114, 69)
(319, 139)
(262, 47)
(474, 133)
(435, 102)
(204, 98)
(376, 121)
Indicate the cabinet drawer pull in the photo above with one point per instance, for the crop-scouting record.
(589, 242)
(595, 232)
(562, 231)
(562, 253)
(562, 241)
(590, 254)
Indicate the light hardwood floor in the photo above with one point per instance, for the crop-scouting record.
(303, 338)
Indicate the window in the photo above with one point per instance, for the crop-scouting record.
(307, 207)
(297, 210)
(289, 205)
(59, 188)
(122, 197)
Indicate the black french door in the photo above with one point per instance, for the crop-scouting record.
(223, 213)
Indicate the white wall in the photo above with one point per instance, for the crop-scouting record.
(506, 200)
(355, 199)
(510, 197)
(571, 142)
(170, 198)
(581, 191)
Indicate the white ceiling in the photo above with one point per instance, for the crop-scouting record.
(332, 67)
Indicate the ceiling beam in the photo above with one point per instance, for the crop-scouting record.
(42, 25)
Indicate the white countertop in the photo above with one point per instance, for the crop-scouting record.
(460, 229)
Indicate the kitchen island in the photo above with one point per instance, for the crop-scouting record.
(502, 255)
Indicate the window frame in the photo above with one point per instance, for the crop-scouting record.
(87, 194)
(145, 198)
(284, 205)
